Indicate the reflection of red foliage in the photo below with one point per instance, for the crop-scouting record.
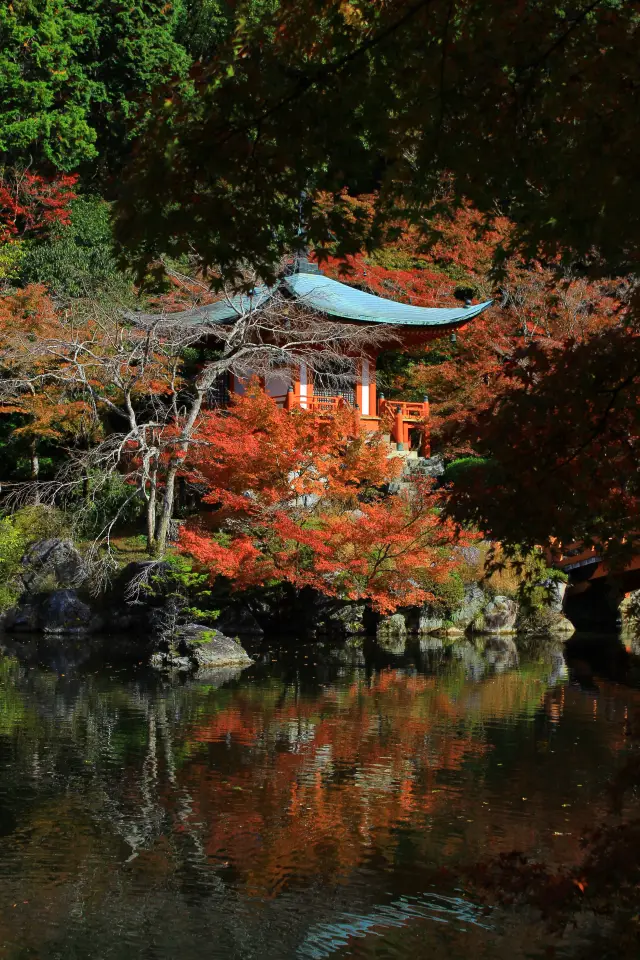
(30, 205)
(288, 487)
(331, 788)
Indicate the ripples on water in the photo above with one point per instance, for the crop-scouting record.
(317, 805)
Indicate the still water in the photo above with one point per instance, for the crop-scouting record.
(320, 804)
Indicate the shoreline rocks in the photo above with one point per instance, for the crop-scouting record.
(197, 646)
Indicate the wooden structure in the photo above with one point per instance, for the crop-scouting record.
(405, 421)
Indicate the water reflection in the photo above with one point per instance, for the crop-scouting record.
(318, 796)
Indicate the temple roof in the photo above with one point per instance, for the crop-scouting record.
(336, 299)
(339, 300)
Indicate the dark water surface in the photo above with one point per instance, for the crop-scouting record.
(317, 805)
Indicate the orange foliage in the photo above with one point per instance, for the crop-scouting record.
(536, 302)
(300, 498)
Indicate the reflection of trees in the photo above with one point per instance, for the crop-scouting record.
(314, 786)
(282, 779)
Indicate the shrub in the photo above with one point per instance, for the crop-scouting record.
(107, 497)
(80, 260)
(17, 532)
(462, 466)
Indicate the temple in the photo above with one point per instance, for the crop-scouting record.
(406, 422)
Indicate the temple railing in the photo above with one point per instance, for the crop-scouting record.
(400, 418)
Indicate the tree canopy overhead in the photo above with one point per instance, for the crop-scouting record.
(525, 105)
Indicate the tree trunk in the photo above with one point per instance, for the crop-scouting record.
(35, 469)
(166, 511)
(151, 514)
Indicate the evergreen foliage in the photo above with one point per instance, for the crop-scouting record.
(80, 260)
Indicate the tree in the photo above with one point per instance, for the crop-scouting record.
(302, 499)
(431, 100)
(135, 387)
(561, 447)
(45, 92)
(32, 205)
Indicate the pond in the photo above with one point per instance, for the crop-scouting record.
(321, 804)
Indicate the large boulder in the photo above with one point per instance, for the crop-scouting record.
(23, 618)
(58, 561)
(348, 618)
(544, 622)
(56, 612)
(62, 611)
(429, 621)
(207, 647)
(391, 633)
(497, 616)
(471, 605)
(555, 598)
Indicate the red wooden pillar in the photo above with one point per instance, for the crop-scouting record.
(288, 400)
(372, 387)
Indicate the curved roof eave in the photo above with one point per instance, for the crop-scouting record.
(324, 295)
(339, 300)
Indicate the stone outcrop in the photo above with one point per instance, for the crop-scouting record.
(55, 612)
(200, 646)
(56, 561)
(391, 633)
(497, 616)
(349, 618)
(433, 620)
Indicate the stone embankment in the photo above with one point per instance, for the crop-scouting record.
(56, 602)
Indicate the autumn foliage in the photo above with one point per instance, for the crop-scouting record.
(31, 205)
(297, 498)
(539, 304)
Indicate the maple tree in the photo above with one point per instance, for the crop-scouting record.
(301, 498)
(312, 96)
(561, 447)
(130, 390)
(32, 205)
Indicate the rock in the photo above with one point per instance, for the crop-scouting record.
(23, 618)
(432, 620)
(349, 618)
(501, 653)
(209, 648)
(544, 622)
(556, 590)
(473, 602)
(391, 633)
(429, 621)
(392, 627)
(58, 559)
(498, 616)
(56, 612)
(239, 622)
(62, 611)
(423, 467)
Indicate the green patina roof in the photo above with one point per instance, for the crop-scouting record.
(336, 299)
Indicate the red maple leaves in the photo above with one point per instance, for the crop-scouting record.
(303, 499)
(30, 204)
